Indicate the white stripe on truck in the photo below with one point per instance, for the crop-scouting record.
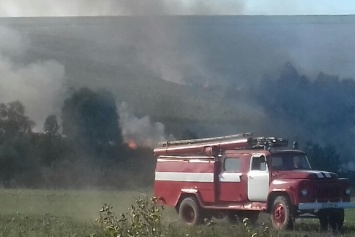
(327, 174)
(184, 177)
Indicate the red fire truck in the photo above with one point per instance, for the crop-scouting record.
(241, 175)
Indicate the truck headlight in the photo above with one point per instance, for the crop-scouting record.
(347, 191)
(304, 192)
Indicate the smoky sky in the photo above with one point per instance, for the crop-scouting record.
(210, 49)
(37, 8)
(38, 84)
(48, 55)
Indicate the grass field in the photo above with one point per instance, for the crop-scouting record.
(56, 212)
(74, 213)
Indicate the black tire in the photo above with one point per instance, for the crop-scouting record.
(331, 219)
(282, 213)
(190, 211)
(323, 217)
(336, 219)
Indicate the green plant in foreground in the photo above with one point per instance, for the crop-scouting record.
(243, 228)
(251, 231)
(143, 219)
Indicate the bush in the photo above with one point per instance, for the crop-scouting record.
(144, 219)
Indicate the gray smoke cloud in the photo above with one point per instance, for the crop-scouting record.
(225, 54)
(38, 85)
(19, 8)
(208, 50)
(142, 131)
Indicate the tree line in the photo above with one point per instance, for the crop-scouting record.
(320, 111)
(84, 149)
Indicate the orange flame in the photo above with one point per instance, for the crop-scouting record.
(132, 145)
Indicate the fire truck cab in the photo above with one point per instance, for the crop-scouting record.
(240, 176)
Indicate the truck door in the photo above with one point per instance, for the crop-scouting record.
(232, 187)
(258, 179)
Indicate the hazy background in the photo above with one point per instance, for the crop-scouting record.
(41, 58)
(187, 65)
(18, 8)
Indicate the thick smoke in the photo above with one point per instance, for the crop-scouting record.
(141, 131)
(319, 109)
(38, 85)
(156, 45)
(227, 55)
(18, 8)
(212, 50)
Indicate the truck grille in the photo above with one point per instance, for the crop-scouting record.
(326, 192)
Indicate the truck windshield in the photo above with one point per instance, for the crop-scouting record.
(290, 162)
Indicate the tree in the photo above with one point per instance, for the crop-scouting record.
(51, 125)
(321, 108)
(91, 120)
(51, 145)
(15, 137)
(13, 120)
(323, 158)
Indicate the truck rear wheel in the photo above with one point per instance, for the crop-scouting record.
(190, 211)
(281, 213)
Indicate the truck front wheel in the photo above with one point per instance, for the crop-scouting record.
(190, 211)
(336, 219)
(331, 218)
(281, 213)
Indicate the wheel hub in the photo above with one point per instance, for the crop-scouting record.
(189, 214)
(280, 214)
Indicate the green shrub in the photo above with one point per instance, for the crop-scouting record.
(143, 219)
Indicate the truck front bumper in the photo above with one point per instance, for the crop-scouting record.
(325, 205)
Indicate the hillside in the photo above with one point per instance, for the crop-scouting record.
(95, 63)
(189, 71)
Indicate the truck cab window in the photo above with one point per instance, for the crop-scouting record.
(290, 162)
(232, 165)
(258, 163)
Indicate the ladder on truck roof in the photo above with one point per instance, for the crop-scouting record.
(211, 145)
(209, 139)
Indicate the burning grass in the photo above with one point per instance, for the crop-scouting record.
(129, 213)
